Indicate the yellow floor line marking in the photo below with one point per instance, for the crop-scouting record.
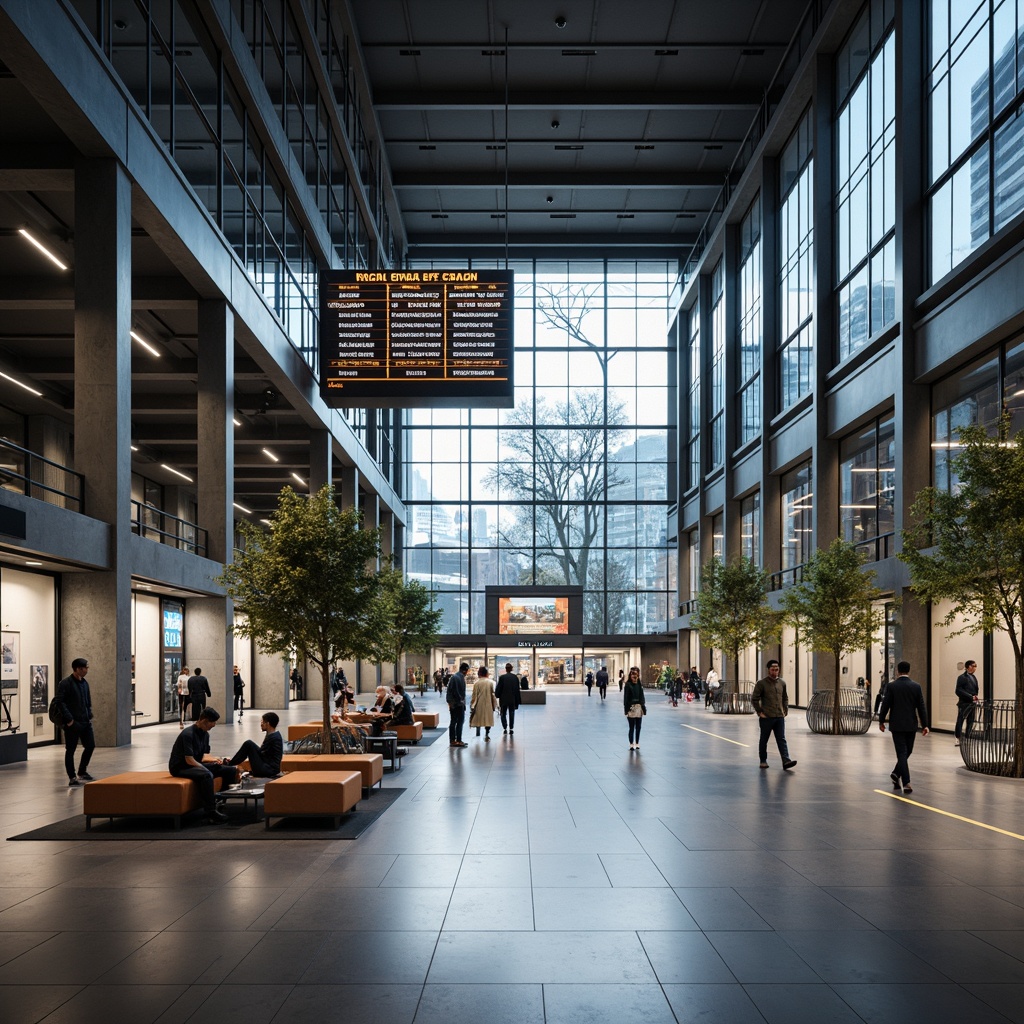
(715, 734)
(949, 814)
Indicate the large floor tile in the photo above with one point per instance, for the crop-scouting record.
(494, 1003)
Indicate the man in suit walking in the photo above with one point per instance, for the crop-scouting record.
(966, 698)
(456, 697)
(905, 699)
(198, 691)
(508, 694)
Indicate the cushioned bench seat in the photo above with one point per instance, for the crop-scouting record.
(302, 729)
(430, 719)
(141, 794)
(369, 766)
(309, 794)
(408, 733)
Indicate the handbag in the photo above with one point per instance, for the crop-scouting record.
(635, 711)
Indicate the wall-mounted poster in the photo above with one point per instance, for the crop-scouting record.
(10, 649)
(39, 693)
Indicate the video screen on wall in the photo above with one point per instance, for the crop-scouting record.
(534, 616)
(416, 338)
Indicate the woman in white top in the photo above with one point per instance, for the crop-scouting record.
(183, 678)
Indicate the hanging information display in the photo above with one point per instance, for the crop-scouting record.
(415, 338)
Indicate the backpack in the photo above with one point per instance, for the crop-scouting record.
(56, 712)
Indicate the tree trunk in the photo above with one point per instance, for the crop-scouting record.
(835, 700)
(1018, 718)
(326, 746)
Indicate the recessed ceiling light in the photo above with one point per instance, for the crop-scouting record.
(145, 344)
(176, 472)
(270, 455)
(237, 423)
(242, 508)
(13, 380)
(298, 479)
(29, 237)
(33, 563)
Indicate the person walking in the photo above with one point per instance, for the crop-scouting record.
(622, 679)
(589, 682)
(905, 701)
(507, 692)
(183, 678)
(198, 691)
(712, 684)
(455, 695)
(483, 704)
(771, 702)
(634, 706)
(602, 681)
(76, 711)
(966, 698)
(239, 688)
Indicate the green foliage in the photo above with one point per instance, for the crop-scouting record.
(407, 622)
(967, 547)
(732, 610)
(309, 582)
(833, 605)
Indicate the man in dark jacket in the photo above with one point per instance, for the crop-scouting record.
(905, 700)
(508, 694)
(771, 702)
(187, 762)
(264, 761)
(602, 681)
(198, 691)
(456, 697)
(966, 698)
(76, 710)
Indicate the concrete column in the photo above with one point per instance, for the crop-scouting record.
(348, 487)
(50, 438)
(387, 533)
(209, 645)
(731, 375)
(320, 459)
(215, 411)
(96, 607)
(270, 680)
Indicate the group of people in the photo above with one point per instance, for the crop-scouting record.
(193, 691)
(601, 679)
(485, 700)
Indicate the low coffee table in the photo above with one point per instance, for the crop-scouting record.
(387, 746)
(245, 794)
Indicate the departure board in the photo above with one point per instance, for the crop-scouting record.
(415, 338)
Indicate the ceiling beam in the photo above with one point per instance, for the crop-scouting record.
(618, 99)
(595, 243)
(624, 178)
(498, 50)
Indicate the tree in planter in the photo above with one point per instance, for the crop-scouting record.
(975, 534)
(833, 607)
(732, 610)
(309, 583)
(408, 623)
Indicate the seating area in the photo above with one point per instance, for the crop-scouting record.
(312, 794)
(369, 766)
(141, 794)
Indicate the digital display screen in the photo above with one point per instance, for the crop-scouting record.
(173, 623)
(533, 616)
(408, 338)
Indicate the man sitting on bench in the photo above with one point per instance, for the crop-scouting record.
(186, 762)
(264, 761)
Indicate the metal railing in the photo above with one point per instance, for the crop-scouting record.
(26, 472)
(876, 548)
(155, 524)
(854, 711)
(986, 741)
(786, 577)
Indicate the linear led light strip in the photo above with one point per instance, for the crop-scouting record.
(145, 344)
(29, 237)
(176, 472)
(14, 380)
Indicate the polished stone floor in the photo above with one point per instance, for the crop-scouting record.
(555, 877)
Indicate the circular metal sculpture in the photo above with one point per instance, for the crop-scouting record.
(986, 743)
(733, 698)
(854, 711)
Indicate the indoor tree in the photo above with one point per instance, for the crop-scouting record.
(732, 608)
(966, 546)
(833, 607)
(408, 622)
(309, 582)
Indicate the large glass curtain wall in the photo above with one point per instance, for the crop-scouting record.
(165, 56)
(975, 89)
(572, 485)
(865, 198)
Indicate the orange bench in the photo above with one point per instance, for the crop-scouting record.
(408, 733)
(430, 719)
(311, 795)
(143, 795)
(369, 766)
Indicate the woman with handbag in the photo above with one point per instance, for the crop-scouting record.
(635, 706)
